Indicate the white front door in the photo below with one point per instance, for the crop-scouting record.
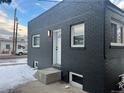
(57, 47)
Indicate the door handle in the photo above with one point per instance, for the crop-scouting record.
(56, 48)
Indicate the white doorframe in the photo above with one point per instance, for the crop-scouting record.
(57, 47)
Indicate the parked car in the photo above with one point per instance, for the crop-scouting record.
(21, 52)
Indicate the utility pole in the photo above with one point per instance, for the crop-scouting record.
(13, 50)
(16, 35)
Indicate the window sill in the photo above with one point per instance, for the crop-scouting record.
(77, 46)
(116, 45)
(36, 46)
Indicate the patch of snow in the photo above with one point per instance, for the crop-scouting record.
(11, 76)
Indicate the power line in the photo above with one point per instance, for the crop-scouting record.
(49, 0)
(69, 1)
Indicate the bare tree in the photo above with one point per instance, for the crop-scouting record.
(5, 1)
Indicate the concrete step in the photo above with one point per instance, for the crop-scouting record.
(48, 75)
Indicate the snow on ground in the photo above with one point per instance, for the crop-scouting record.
(11, 76)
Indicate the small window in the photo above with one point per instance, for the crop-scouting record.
(117, 34)
(7, 46)
(35, 64)
(36, 40)
(77, 35)
(21, 47)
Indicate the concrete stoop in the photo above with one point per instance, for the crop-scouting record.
(48, 75)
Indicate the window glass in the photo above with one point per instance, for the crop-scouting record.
(117, 34)
(36, 41)
(120, 35)
(77, 35)
(21, 47)
(114, 32)
(7, 46)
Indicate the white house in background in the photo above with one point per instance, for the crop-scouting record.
(6, 45)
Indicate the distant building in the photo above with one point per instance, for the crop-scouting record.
(6, 45)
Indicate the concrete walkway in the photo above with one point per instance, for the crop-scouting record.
(38, 87)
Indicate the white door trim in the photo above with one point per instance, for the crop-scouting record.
(54, 47)
(75, 84)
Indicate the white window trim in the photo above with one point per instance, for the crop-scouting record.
(35, 64)
(72, 39)
(117, 44)
(35, 46)
(121, 75)
(75, 84)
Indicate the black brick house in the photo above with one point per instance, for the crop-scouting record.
(83, 38)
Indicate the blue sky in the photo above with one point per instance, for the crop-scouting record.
(27, 10)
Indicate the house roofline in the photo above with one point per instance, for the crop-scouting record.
(46, 11)
(114, 6)
(108, 3)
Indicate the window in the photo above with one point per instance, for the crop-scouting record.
(36, 40)
(21, 47)
(77, 35)
(117, 34)
(7, 46)
(35, 64)
(76, 80)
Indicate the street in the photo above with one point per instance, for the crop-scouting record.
(8, 62)
(14, 72)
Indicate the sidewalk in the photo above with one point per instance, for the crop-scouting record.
(8, 56)
(38, 87)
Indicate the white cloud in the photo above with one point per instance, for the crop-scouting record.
(6, 24)
(16, 4)
(115, 1)
(46, 4)
(3, 13)
(22, 30)
(37, 4)
(121, 5)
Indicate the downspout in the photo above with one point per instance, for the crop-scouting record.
(104, 50)
(104, 33)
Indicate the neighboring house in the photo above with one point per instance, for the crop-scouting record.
(6, 45)
(83, 38)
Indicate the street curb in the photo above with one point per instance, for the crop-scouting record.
(12, 64)
(12, 57)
